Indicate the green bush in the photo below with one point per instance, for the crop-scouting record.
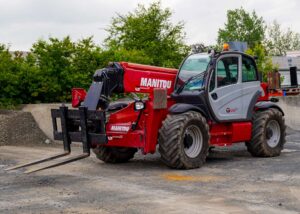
(48, 72)
(53, 67)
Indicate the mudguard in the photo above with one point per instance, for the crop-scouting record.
(179, 108)
(262, 105)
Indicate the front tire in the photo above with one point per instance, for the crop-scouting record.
(184, 140)
(268, 134)
(114, 154)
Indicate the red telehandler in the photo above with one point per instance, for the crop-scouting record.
(214, 99)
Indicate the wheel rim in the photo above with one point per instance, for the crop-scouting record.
(193, 141)
(273, 133)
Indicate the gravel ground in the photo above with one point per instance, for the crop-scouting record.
(18, 127)
(230, 182)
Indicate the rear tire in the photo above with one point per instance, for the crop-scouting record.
(268, 134)
(114, 154)
(184, 140)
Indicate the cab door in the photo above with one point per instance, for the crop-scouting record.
(225, 90)
(251, 85)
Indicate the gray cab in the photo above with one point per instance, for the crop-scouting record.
(234, 87)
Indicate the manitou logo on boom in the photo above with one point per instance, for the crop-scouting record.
(155, 83)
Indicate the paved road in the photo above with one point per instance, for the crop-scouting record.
(232, 182)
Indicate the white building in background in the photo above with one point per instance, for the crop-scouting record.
(293, 53)
(292, 59)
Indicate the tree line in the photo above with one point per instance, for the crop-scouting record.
(146, 35)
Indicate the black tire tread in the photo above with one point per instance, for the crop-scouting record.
(170, 138)
(258, 146)
(114, 154)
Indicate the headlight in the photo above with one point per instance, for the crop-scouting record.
(139, 105)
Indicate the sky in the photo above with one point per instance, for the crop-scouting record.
(22, 22)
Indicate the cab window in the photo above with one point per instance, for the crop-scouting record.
(227, 71)
(248, 70)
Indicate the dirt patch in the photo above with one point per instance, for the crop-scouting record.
(199, 178)
(20, 128)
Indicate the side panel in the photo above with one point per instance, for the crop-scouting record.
(241, 131)
(251, 93)
(236, 101)
(225, 134)
(228, 105)
(119, 126)
(119, 129)
(226, 101)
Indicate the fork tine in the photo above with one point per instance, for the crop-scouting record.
(69, 160)
(38, 161)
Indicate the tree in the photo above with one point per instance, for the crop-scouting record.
(62, 65)
(85, 60)
(242, 26)
(278, 42)
(263, 62)
(9, 90)
(53, 60)
(201, 47)
(150, 31)
(137, 56)
(14, 78)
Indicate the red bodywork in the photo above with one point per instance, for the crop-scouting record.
(143, 79)
(78, 95)
(265, 96)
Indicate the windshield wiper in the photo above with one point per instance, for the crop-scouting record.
(189, 80)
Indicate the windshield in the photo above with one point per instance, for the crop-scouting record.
(191, 74)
